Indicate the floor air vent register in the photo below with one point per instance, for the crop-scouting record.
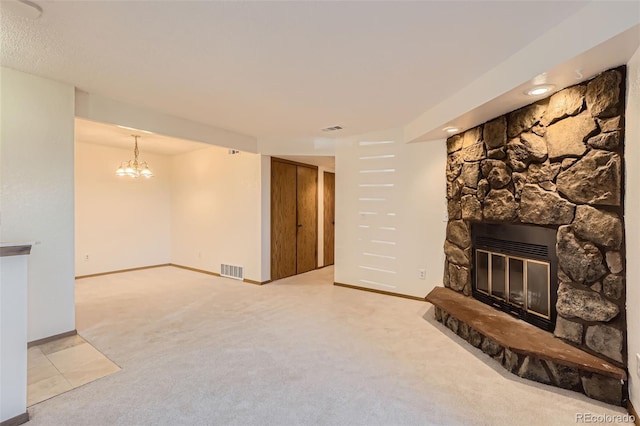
(232, 271)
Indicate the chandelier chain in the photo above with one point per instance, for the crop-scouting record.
(136, 151)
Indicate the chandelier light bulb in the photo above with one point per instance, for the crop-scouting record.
(146, 172)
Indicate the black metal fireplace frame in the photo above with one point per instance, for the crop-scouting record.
(532, 242)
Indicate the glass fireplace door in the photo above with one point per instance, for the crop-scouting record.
(516, 281)
(522, 283)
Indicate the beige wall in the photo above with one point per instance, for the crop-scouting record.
(632, 224)
(121, 222)
(37, 193)
(216, 210)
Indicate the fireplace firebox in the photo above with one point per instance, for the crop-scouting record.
(515, 270)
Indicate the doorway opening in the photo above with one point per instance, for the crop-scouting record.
(302, 214)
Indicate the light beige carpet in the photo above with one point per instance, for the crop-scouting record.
(200, 350)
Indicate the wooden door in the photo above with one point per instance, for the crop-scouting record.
(307, 241)
(283, 220)
(329, 217)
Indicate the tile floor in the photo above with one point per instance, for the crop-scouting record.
(61, 365)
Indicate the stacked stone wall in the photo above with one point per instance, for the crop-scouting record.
(556, 163)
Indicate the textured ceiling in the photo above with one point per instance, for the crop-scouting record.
(275, 69)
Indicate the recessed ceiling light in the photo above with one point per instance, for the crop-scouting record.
(451, 129)
(539, 90)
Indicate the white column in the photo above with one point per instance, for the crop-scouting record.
(13, 331)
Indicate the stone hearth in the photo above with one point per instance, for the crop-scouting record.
(526, 350)
(557, 163)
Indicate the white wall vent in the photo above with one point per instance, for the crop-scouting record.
(232, 271)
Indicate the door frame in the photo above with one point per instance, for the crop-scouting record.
(324, 208)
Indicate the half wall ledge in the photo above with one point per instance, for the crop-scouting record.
(528, 351)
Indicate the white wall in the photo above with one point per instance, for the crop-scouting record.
(265, 223)
(37, 193)
(632, 223)
(121, 222)
(216, 210)
(404, 222)
(13, 336)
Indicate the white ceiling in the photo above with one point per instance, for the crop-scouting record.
(276, 69)
(110, 135)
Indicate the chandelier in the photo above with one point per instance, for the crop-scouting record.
(134, 168)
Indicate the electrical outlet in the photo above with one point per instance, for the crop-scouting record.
(638, 364)
(86, 257)
(422, 274)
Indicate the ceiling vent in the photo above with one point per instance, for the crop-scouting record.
(332, 129)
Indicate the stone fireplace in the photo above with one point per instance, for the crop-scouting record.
(554, 167)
